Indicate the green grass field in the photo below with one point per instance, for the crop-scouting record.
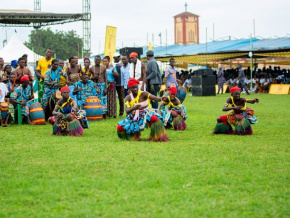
(194, 174)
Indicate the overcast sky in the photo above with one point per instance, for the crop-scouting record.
(135, 18)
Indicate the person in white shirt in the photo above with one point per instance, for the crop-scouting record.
(4, 105)
(187, 82)
(233, 81)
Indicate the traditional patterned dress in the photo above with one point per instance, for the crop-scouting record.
(137, 120)
(239, 124)
(111, 93)
(171, 108)
(21, 94)
(72, 123)
(100, 95)
(11, 109)
(84, 71)
(170, 74)
(62, 81)
(51, 76)
(88, 89)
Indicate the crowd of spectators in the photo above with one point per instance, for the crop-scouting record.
(261, 78)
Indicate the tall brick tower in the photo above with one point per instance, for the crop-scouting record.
(186, 28)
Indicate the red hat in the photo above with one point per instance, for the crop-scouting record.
(133, 54)
(65, 88)
(172, 90)
(133, 82)
(235, 89)
(24, 78)
(86, 58)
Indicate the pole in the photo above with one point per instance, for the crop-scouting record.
(196, 52)
(166, 41)
(206, 39)
(251, 56)
(78, 50)
(213, 32)
(100, 47)
(254, 26)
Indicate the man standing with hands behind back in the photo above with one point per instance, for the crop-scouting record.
(153, 77)
(43, 65)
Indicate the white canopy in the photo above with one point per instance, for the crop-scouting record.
(15, 49)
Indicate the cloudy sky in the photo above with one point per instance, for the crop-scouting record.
(134, 19)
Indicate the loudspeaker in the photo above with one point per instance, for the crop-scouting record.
(204, 80)
(203, 91)
(128, 50)
(201, 72)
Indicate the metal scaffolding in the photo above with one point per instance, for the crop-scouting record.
(87, 27)
(37, 5)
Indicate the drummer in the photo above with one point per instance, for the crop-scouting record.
(51, 82)
(23, 96)
(83, 89)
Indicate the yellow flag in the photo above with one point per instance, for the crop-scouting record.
(110, 42)
(150, 46)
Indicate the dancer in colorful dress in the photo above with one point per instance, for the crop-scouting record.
(175, 112)
(139, 116)
(238, 121)
(66, 116)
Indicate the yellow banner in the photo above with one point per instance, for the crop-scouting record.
(110, 42)
(279, 89)
(150, 46)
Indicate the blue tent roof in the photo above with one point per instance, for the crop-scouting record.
(221, 46)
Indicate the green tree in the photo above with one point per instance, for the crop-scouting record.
(64, 44)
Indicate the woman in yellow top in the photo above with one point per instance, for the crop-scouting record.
(174, 113)
(63, 79)
(240, 116)
(139, 116)
(86, 69)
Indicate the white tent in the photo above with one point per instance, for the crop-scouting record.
(15, 49)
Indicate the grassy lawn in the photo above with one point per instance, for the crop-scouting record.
(194, 174)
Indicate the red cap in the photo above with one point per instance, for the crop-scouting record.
(86, 58)
(24, 78)
(235, 89)
(133, 82)
(173, 90)
(133, 54)
(153, 119)
(65, 88)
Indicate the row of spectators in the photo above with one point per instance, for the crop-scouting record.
(261, 78)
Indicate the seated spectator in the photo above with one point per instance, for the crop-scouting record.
(187, 83)
(248, 82)
(233, 82)
(287, 79)
(255, 84)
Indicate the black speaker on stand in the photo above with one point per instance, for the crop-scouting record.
(128, 50)
(203, 83)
